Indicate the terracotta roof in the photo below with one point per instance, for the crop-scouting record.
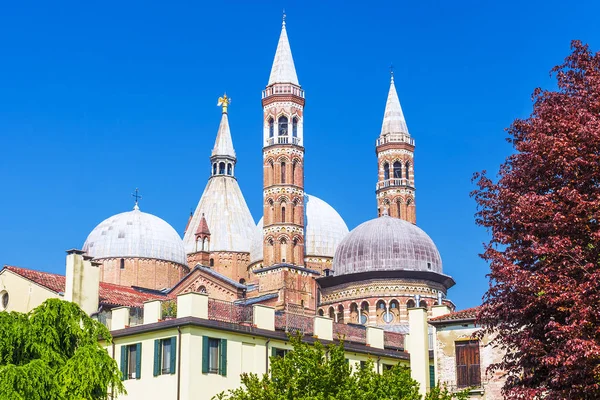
(462, 315)
(203, 227)
(110, 294)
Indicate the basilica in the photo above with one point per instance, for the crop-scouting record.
(300, 254)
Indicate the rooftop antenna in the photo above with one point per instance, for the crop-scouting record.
(137, 197)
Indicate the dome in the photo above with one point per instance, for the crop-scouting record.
(135, 234)
(386, 244)
(325, 229)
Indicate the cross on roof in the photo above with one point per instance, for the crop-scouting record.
(137, 197)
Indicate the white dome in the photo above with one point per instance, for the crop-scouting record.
(135, 234)
(386, 244)
(324, 230)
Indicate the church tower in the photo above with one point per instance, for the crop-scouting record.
(283, 161)
(395, 152)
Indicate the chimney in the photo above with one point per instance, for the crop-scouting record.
(82, 283)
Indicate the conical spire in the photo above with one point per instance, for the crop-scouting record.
(283, 70)
(224, 144)
(393, 119)
(202, 227)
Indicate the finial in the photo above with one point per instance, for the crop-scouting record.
(392, 72)
(224, 102)
(137, 197)
(283, 22)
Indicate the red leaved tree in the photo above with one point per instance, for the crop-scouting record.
(544, 218)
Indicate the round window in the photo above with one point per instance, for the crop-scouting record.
(4, 299)
(388, 317)
(363, 319)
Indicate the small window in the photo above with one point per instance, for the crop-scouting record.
(131, 357)
(410, 304)
(4, 298)
(295, 127)
(271, 127)
(229, 169)
(214, 168)
(242, 281)
(202, 289)
(275, 352)
(363, 364)
(283, 172)
(282, 214)
(386, 171)
(428, 265)
(406, 175)
(214, 356)
(165, 356)
(122, 263)
(387, 367)
(397, 170)
(468, 371)
(222, 168)
(283, 126)
(211, 262)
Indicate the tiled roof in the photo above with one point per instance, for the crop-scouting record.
(110, 294)
(462, 315)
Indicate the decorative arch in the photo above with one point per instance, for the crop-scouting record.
(321, 312)
(397, 169)
(410, 304)
(386, 171)
(340, 313)
(202, 289)
(282, 125)
(331, 313)
(271, 127)
(295, 122)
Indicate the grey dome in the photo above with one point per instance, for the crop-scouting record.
(386, 244)
(135, 234)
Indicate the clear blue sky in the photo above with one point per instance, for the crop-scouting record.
(97, 99)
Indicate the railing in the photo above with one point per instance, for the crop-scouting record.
(393, 339)
(282, 140)
(395, 138)
(294, 319)
(225, 311)
(350, 333)
(283, 89)
(168, 309)
(394, 182)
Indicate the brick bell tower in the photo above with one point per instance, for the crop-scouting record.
(283, 270)
(395, 160)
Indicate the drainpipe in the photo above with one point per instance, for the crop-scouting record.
(378, 360)
(178, 362)
(112, 387)
(267, 354)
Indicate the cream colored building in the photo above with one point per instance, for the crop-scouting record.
(462, 358)
(207, 347)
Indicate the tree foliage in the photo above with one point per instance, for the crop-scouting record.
(318, 372)
(544, 218)
(52, 353)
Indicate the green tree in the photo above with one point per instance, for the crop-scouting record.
(319, 372)
(52, 353)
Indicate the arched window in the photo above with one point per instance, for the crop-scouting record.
(340, 315)
(394, 305)
(283, 250)
(332, 313)
(122, 266)
(386, 171)
(229, 169)
(407, 170)
(399, 208)
(423, 304)
(222, 168)
(271, 127)
(364, 313)
(243, 281)
(321, 313)
(283, 214)
(410, 304)
(211, 262)
(397, 170)
(283, 172)
(283, 126)
(295, 127)
(202, 289)
(293, 172)
(214, 168)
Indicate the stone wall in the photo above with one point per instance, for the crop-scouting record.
(144, 272)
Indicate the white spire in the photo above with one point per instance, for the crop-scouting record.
(223, 144)
(283, 70)
(393, 119)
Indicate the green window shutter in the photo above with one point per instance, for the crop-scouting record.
(273, 351)
(157, 357)
(431, 376)
(205, 354)
(138, 361)
(123, 363)
(223, 360)
(173, 354)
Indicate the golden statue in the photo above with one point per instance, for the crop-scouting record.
(224, 102)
